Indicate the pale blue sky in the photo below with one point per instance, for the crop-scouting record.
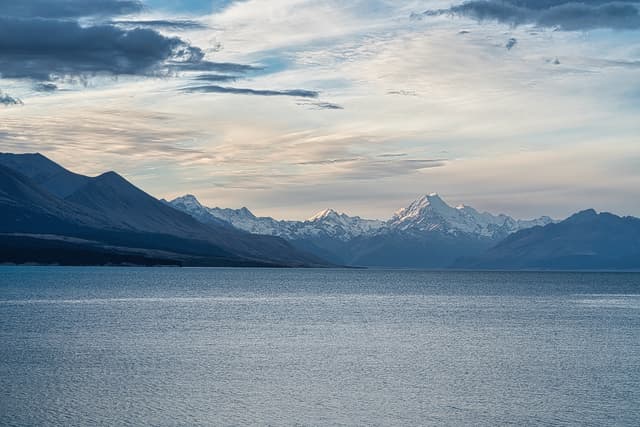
(292, 106)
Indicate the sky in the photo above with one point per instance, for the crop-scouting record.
(288, 107)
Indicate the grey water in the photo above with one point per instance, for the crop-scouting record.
(167, 347)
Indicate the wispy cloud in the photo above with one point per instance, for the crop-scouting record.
(300, 93)
(171, 24)
(212, 66)
(330, 161)
(215, 78)
(321, 105)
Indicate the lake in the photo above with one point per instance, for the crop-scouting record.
(166, 347)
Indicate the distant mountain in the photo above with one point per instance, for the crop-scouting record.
(51, 215)
(328, 223)
(586, 240)
(430, 213)
(427, 234)
(116, 216)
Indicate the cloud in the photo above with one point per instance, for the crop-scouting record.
(6, 99)
(102, 135)
(392, 155)
(329, 161)
(368, 169)
(565, 15)
(402, 92)
(46, 87)
(216, 78)
(189, 6)
(68, 8)
(43, 48)
(511, 43)
(301, 93)
(218, 67)
(176, 24)
(49, 39)
(322, 105)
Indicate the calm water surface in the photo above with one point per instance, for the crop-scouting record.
(165, 347)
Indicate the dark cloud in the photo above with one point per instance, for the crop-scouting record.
(216, 78)
(179, 24)
(547, 4)
(511, 43)
(322, 105)
(43, 48)
(216, 67)
(6, 99)
(68, 8)
(562, 14)
(327, 106)
(45, 40)
(301, 93)
(46, 87)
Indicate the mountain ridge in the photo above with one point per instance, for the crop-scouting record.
(415, 216)
(111, 210)
(51, 215)
(585, 240)
(428, 233)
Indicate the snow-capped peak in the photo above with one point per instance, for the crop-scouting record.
(245, 212)
(430, 213)
(324, 214)
(188, 201)
(418, 207)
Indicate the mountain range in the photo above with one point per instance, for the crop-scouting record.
(427, 234)
(51, 215)
(106, 219)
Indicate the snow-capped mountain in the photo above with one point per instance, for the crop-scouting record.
(426, 234)
(340, 225)
(327, 223)
(431, 214)
(428, 214)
